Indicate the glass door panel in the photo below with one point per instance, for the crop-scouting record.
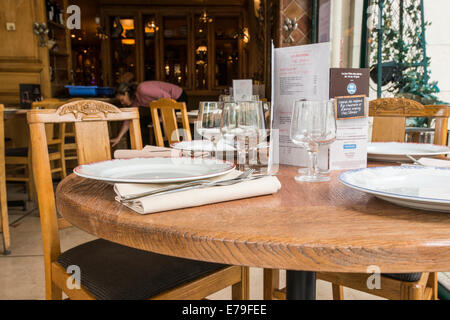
(123, 48)
(150, 30)
(201, 49)
(175, 50)
(226, 32)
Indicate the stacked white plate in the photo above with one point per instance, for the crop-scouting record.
(426, 188)
(397, 151)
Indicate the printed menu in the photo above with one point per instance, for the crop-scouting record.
(298, 72)
(349, 88)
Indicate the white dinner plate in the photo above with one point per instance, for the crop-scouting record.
(397, 151)
(154, 170)
(192, 113)
(426, 188)
(202, 146)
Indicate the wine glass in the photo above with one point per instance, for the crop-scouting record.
(313, 124)
(243, 126)
(208, 122)
(225, 98)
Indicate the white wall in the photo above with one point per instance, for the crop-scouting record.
(438, 44)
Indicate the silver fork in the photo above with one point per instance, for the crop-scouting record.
(415, 161)
(189, 185)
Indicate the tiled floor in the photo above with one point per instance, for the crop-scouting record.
(22, 272)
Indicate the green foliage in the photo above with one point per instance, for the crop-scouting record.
(403, 41)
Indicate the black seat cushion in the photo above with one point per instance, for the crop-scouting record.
(16, 152)
(408, 277)
(69, 139)
(112, 271)
(23, 152)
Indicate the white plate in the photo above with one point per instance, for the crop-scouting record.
(397, 151)
(154, 170)
(192, 113)
(426, 188)
(202, 146)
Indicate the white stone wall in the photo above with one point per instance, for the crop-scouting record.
(438, 44)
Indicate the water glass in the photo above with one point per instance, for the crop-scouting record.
(313, 124)
(243, 126)
(208, 122)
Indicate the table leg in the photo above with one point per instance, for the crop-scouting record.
(300, 285)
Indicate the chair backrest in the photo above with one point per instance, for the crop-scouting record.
(4, 226)
(53, 103)
(90, 119)
(390, 114)
(167, 108)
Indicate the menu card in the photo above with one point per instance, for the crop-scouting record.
(298, 72)
(242, 89)
(349, 88)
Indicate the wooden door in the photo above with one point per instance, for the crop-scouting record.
(21, 59)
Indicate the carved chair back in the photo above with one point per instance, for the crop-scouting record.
(390, 114)
(90, 119)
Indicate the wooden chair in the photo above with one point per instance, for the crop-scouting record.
(18, 160)
(167, 107)
(390, 114)
(4, 222)
(56, 135)
(423, 286)
(108, 270)
(70, 144)
(389, 125)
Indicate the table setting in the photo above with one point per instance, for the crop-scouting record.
(156, 184)
(420, 182)
(194, 173)
(219, 167)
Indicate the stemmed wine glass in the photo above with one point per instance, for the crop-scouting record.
(243, 125)
(313, 124)
(209, 121)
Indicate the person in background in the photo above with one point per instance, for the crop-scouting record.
(133, 95)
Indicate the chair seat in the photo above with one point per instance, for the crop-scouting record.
(69, 139)
(23, 152)
(408, 277)
(112, 271)
(16, 152)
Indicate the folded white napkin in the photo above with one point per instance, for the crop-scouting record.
(435, 162)
(155, 152)
(195, 197)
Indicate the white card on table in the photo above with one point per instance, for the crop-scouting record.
(242, 89)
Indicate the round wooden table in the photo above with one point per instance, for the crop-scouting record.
(305, 226)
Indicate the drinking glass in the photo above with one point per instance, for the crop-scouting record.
(209, 121)
(313, 124)
(253, 97)
(243, 126)
(225, 98)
